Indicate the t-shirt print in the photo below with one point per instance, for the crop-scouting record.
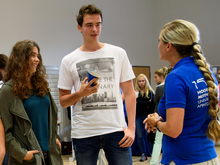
(105, 98)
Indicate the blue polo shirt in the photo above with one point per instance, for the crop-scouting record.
(185, 87)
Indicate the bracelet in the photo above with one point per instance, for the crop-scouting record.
(156, 124)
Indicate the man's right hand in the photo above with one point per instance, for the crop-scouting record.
(87, 89)
(67, 99)
(30, 154)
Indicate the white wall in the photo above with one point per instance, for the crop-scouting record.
(52, 24)
(205, 14)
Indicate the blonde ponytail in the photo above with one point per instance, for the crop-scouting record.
(213, 130)
(162, 72)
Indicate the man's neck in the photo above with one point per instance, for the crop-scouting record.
(91, 47)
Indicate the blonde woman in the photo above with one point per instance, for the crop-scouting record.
(144, 106)
(189, 105)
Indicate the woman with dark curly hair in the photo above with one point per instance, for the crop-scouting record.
(28, 111)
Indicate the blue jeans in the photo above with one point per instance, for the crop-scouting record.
(87, 149)
(5, 161)
(140, 131)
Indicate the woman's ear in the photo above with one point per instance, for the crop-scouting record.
(169, 46)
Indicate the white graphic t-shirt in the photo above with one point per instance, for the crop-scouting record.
(102, 112)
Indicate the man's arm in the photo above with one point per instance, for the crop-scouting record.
(67, 99)
(2, 142)
(130, 103)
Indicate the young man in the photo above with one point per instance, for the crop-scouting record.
(98, 117)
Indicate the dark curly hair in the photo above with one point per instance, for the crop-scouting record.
(16, 69)
(87, 9)
(3, 61)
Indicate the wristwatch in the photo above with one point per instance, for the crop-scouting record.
(156, 124)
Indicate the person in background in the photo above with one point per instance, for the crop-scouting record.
(144, 106)
(124, 107)
(28, 111)
(189, 106)
(3, 153)
(218, 79)
(3, 61)
(159, 77)
(98, 117)
(2, 143)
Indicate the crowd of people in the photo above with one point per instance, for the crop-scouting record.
(182, 112)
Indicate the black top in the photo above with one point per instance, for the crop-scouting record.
(158, 95)
(144, 105)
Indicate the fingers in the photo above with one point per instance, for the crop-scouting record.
(30, 154)
(96, 86)
(122, 140)
(94, 89)
(149, 123)
(146, 126)
(155, 114)
(153, 129)
(58, 142)
(126, 142)
(151, 115)
(34, 151)
(151, 119)
(86, 89)
(145, 121)
(92, 81)
(84, 81)
(128, 138)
